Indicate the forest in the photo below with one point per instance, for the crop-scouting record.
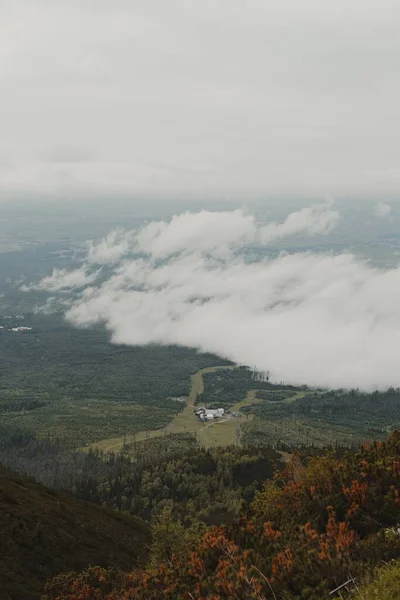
(225, 388)
(77, 385)
(324, 518)
(252, 520)
(286, 513)
(278, 412)
(44, 532)
(198, 484)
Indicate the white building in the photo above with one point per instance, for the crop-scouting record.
(218, 412)
(209, 413)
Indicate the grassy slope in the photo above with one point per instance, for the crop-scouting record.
(385, 584)
(44, 532)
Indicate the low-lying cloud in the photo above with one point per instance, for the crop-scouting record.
(321, 319)
(62, 279)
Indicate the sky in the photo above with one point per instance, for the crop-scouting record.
(321, 318)
(217, 98)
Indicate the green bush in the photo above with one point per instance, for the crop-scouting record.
(385, 586)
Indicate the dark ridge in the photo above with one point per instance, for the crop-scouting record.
(43, 532)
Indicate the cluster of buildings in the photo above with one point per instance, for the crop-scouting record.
(208, 414)
(13, 318)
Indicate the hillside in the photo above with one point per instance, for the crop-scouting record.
(322, 520)
(44, 532)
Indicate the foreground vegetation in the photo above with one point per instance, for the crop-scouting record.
(318, 520)
(320, 515)
(384, 584)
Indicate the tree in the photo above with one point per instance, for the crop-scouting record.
(168, 537)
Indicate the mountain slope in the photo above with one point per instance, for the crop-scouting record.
(43, 532)
(325, 518)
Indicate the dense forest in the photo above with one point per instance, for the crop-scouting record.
(276, 412)
(80, 387)
(206, 485)
(241, 520)
(287, 513)
(225, 388)
(323, 519)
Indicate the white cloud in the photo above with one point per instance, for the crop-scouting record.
(320, 319)
(218, 231)
(62, 279)
(109, 250)
(208, 98)
(203, 231)
(313, 220)
(382, 209)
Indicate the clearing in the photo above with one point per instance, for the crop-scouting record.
(222, 432)
(184, 422)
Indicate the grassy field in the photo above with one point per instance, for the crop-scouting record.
(244, 427)
(183, 422)
(215, 433)
(227, 432)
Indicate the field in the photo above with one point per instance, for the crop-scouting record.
(183, 422)
(222, 432)
(243, 427)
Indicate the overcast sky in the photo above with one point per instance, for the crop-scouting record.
(206, 97)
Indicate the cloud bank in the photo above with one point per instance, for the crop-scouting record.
(62, 279)
(208, 98)
(321, 319)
